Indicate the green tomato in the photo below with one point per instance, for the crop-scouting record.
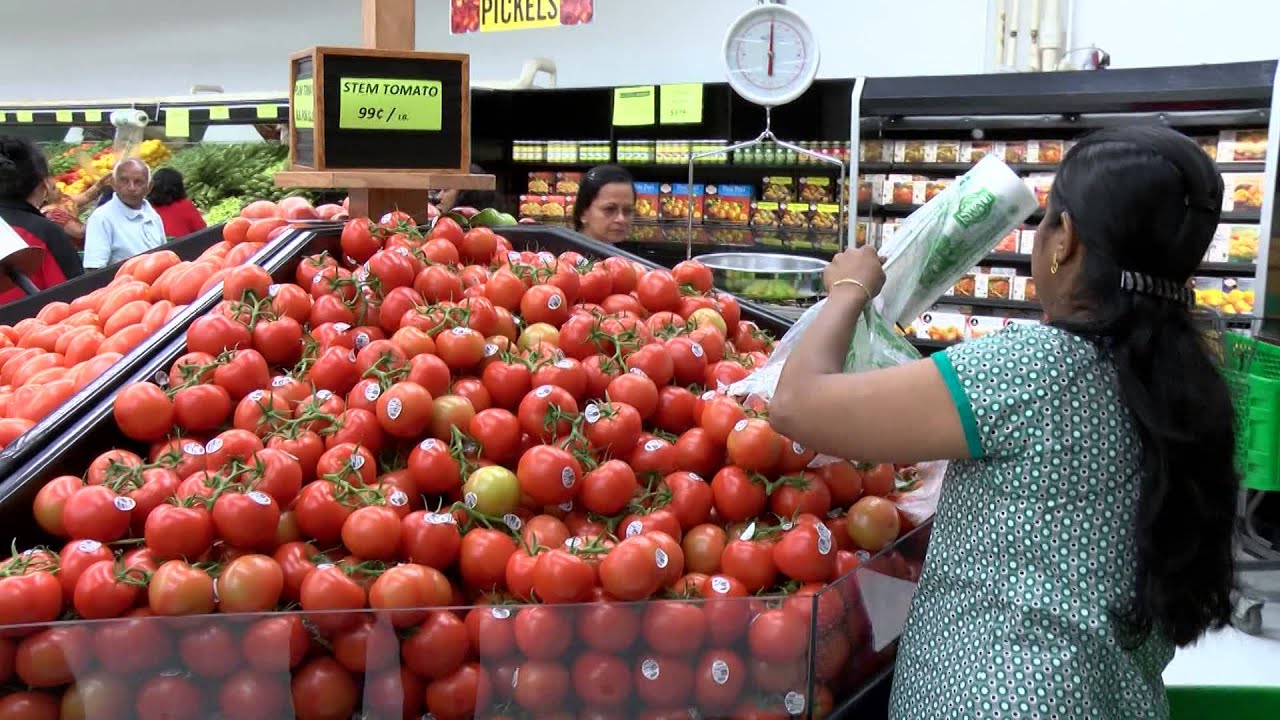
(496, 491)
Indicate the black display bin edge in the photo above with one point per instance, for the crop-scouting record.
(61, 423)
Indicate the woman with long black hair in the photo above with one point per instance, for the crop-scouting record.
(1084, 529)
(606, 204)
(24, 187)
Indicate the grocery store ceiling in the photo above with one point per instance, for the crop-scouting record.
(92, 48)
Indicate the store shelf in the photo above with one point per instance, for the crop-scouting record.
(929, 344)
(1242, 216)
(997, 303)
(1227, 269)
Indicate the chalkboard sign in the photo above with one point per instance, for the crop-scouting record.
(382, 110)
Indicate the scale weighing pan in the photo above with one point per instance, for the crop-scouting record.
(766, 277)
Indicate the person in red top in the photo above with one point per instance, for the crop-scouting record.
(24, 174)
(168, 197)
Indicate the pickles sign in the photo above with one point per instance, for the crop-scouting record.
(389, 104)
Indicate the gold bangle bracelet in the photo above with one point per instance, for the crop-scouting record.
(851, 281)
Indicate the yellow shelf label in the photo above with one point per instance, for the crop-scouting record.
(220, 112)
(499, 15)
(93, 116)
(268, 112)
(177, 122)
(304, 105)
(633, 105)
(25, 116)
(680, 104)
(63, 116)
(389, 104)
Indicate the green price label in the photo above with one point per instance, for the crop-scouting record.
(389, 104)
(304, 104)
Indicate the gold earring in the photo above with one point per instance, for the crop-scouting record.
(1053, 266)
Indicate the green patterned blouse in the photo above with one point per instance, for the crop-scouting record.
(1031, 545)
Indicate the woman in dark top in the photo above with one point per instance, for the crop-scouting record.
(24, 174)
(168, 197)
(606, 204)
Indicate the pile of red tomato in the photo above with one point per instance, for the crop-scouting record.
(464, 467)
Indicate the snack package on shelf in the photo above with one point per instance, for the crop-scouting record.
(567, 182)
(937, 244)
(778, 189)
(876, 151)
(648, 195)
(816, 189)
(728, 204)
(541, 183)
(1229, 296)
(1235, 243)
(1242, 146)
(1024, 288)
(823, 217)
(1242, 191)
(941, 326)
(1026, 240)
(674, 202)
(973, 152)
(1008, 243)
(766, 215)
(793, 216)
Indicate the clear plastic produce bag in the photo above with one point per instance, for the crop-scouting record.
(932, 249)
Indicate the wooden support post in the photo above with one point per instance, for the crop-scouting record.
(389, 24)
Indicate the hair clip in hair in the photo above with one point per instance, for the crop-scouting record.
(1162, 288)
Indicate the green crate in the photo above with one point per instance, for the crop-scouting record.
(1224, 703)
(1252, 371)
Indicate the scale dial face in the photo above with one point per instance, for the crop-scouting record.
(771, 55)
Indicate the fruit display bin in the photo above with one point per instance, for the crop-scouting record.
(58, 422)
(810, 654)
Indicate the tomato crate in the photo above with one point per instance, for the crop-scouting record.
(110, 378)
(814, 652)
(734, 657)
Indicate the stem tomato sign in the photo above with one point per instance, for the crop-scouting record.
(468, 16)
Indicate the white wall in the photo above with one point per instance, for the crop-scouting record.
(113, 48)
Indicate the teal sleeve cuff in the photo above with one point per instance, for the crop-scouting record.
(967, 420)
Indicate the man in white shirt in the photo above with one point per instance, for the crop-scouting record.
(126, 224)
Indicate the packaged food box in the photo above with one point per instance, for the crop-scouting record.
(541, 183)
(647, 196)
(1243, 191)
(530, 206)
(562, 151)
(1008, 243)
(1242, 146)
(1040, 184)
(1229, 296)
(773, 237)
(673, 203)
(778, 189)
(941, 326)
(529, 151)
(555, 207)
(1046, 152)
(728, 204)
(594, 151)
(568, 182)
(1020, 321)
(933, 187)
(730, 236)
(980, 325)
(993, 285)
(815, 189)
(793, 216)
(1209, 145)
(766, 214)
(827, 242)
(965, 286)
(1015, 151)
(875, 151)
(888, 229)
(1238, 243)
(636, 152)
(972, 152)
(1024, 288)
(902, 190)
(824, 217)
(866, 188)
(645, 233)
(1026, 240)
(915, 151)
(946, 151)
(569, 202)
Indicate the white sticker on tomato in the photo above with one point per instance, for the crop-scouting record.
(634, 528)
(323, 395)
(350, 260)
(824, 539)
(193, 448)
(542, 392)
(720, 584)
(490, 349)
(88, 546)
(513, 256)
(363, 340)
(257, 395)
(394, 406)
(315, 279)
(740, 425)
(649, 668)
(470, 447)
(272, 290)
(696, 349)
(512, 521)
(719, 672)
(515, 677)
(637, 371)
(573, 543)
(402, 250)
(555, 301)
(787, 524)
(213, 446)
(429, 444)
(500, 613)
(372, 391)
(324, 566)
(653, 445)
(279, 381)
(748, 532)
(566, 506)
(357, 461)
(546, 257)
(399, 498)
(259, 497)
(341, 327)
(696, 477)
(660, 558)
(351, 355)
(162, 378)
(568, 477)
(592, 413)
(471, 499)
(460, 331)
(124, 504)
(564, 363)
(793, 702)
(216, 596)
(439, 518)
(708, 395)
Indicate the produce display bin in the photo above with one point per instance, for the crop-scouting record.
(1223, 703)
(187, 248)
(740, 658)
(56, 427)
